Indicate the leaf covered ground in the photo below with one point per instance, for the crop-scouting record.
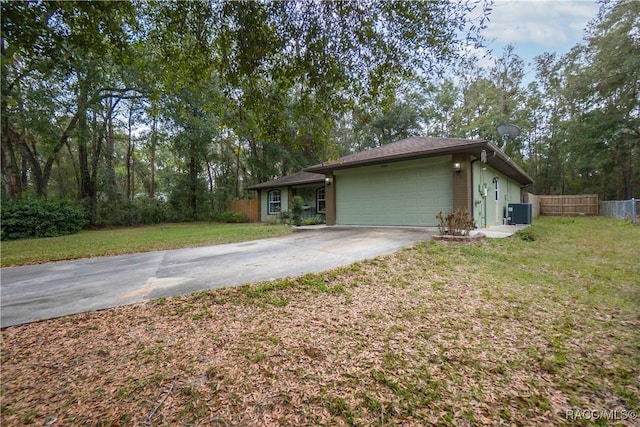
(536, 329)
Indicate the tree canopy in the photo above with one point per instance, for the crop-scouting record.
(111, 103)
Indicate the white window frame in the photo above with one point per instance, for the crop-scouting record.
(319, 199)
(274, 202)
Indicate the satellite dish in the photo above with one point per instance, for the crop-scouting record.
(508, 131)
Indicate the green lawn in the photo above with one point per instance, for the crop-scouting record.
(120, 241)
(542, 328)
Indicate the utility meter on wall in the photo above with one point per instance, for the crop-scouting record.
(483, 190)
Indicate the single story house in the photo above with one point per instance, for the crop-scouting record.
(405, 183)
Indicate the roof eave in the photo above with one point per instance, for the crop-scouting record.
(517, 173)
(264, 185)
(395, 158)
(524, 178)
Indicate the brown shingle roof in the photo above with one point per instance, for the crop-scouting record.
(297, 178)
(419, 147)
(400, 150)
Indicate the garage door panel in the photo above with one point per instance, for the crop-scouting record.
(408, 196)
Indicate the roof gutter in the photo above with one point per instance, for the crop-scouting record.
(506, 159)
(264, 185)
(393, 158)
(482, 144)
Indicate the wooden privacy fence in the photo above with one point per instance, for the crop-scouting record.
(535, 204)
(251, 208)
(584, 204)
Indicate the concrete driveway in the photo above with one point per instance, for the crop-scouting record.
(51, 290)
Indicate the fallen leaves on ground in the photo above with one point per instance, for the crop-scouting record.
(413, 338)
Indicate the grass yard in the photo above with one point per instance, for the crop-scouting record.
(538, 329)
(120, 241)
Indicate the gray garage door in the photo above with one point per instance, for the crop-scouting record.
(407, 193)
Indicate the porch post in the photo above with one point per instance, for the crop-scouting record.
(461, 187)
(330, 198)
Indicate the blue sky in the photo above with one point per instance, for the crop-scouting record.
(537, 26)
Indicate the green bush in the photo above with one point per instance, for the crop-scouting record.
(284, 216)
(41, 218)
(311, 221)
(141, 211)
(526, 235)
(233, 217)
(151, 211)
(297, 210)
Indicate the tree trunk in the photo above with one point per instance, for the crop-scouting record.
(30, 154)
(237, 186)
(193, 186)
(152, 159)
(129, 158)
(96, 142)
(85, 193)
(10, 168)
(111, 186)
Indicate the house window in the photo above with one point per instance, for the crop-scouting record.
(497, 188)
(321, 204)
(275, 204)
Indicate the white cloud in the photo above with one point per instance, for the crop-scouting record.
(549, 23)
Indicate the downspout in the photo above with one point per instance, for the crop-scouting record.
(493, 154)
(473, 205)
(522, 187)
(535, 208)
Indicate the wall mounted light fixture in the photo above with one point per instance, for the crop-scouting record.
(457, 167)
(328, 181)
